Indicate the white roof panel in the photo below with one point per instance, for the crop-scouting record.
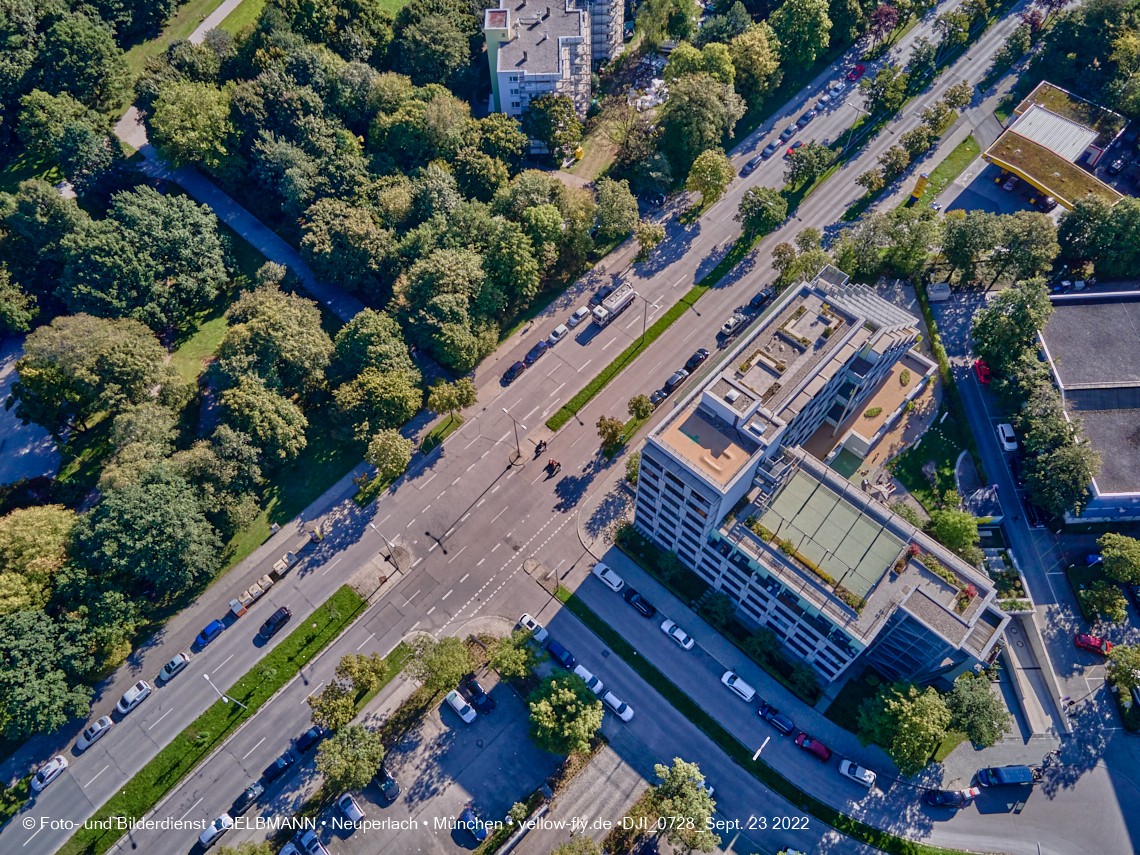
(1056, 133)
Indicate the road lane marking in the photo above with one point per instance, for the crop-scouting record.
(413, 626)
(97, 774)
(445, 596)
(418, 560)
(456, 555)
(496, 546)
(160, 718)
(500, 513)
(465, 575)
(456, 481)
(693, 333)
(331, 566)
(496, 487)
(191, 808)
(384, 520)
(465, 516)
(429, 611)
(531, 413)
(429, 480)
(611, 341)
(449, 531)
(37, 831)
(584, 364)
(555, 392)
(480, 502)
(369, 638)
(254, 748)
(504, 436)
(306, 698)
(473, 465)
(424, 511)
(472, 442)
(416, 594)
(218, 668)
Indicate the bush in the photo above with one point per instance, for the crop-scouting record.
(871, 413)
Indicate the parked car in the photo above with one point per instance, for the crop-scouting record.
(580, 314)
(770, 150)
(471, 823)
(742, 689)
(536, 352)
(350, 807)
(678, 635)
(47, 773)
(731, 326)
(1045, 204)
(310, 843)
(657, 397)
(479, 698)
(1093, 644)
(93, 733)
(788, 133)
(857, 773)
(814, 747)
(215, 830)
(557, 334)
(802, 121)
(592, 683)
(1010, 183)
(513, 373)
(211, 631)
(609, 578)
(643, 606)
(757, 302)
(621, 709)
(1035, 516)
(1116, 166)
(951, 798)
(389, 786)
(529, 623)
(309, 738)
(793, 147)
(1006, 776)
(133, 696)
(600, 295)
(857, 72)
(1006, 437)
(983, 372)
(180, 661)
(696, 359)
(836, 87)
(560, 654)
(750, 167)
(461, 707)
(776, 718)
(274, 622)
(674, 381)
(1017, 472)
(248, 796)
(278, 767)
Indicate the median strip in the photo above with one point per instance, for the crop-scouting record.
(183, 754)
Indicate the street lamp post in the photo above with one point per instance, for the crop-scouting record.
(851, 130)
(391, 546)
(518, 448)
(224, 698)
(645, 316)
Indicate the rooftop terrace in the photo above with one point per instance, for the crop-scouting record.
(709, 443)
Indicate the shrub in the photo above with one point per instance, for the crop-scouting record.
(904, 377)
(871, 413)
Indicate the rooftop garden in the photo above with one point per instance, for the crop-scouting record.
(1062, 179)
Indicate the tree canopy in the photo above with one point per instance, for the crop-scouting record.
(350, 757)
(564, 715)
(906, 722)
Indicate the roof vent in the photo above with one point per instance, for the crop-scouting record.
(524, 56)
(757, 428)
(545, 36)
(732, 395)
(547, 15)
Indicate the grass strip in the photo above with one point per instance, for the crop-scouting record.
(440, 432)
(1082, 579)
(180, 757)
(950, 168)
(13, 798)
(764, 773)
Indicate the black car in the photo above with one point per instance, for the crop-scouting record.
(1035, 516)
(1016, 471)
(513, 372)
(760, 299)
(1116, 166)
(674, 381)
(560, 654)
(278, 767)
(696, 359)
(479, 699)
(750, 167)
(770, 150)
(946, 798)
(389, 787)
(643, 606)
(657, 397)
(776, 718)
(532, 355)
(601, 294)
(309, 738)
(803, 120)
(243, 802)
(276, 620)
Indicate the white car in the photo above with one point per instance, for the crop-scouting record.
(529, 623)
(51, 770)
(93, 733)
(133, 696)
(175, 665)
(461, 707)
(560, 332)
(350, 808)
(623, 710)
(609, 578)
(311, 844)
(731, 325)
(733, 681)
(215, 830)
(857, 773)
(592, 682)
(837, 87)
(678, 635)
(1007, 437)
(580, 314)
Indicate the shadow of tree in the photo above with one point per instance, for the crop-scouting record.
(612, 508)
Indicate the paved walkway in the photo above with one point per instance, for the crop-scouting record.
(214, 19)
(26, 451)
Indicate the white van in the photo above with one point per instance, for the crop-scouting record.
(733, 681)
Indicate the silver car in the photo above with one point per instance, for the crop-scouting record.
(133, 696)
(93, 733)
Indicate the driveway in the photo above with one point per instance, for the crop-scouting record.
(26, 451)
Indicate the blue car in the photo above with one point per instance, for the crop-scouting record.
(560, 654)
(213, 630)
(471, 823)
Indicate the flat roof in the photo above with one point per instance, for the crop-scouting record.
(1064, 181)
(1061, 136)
(1095, 342)
(1116, 435)
(1105, 122)
(707, 442)
(535, 30)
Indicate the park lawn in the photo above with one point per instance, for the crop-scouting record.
(182, 23)
(952, 740)
(942, 443)
(950, 168)
(598, 154)
(26, 165)
(246, 13)
(194, 354)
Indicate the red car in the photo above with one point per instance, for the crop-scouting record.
(983, 372)
(856, 72)
(795, 145)
(814, 747)
(1092, 644)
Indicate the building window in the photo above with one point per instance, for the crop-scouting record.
(514, 78)
(515, 104)
(514, 92)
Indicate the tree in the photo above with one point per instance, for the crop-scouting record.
(371, 340)
(959, 96)
(883, 21)
(763, 645)
(803, 29)
(803, 678)
(756, 57)
(1016, 45)
(632, 467)
(500, 137)
(390, 453)
(977, 711)
(1030, 240)
(938, 117)
(714, 60)
(580, 845)
(44, 118)
(516, 655)
(894, 161)
(1059, 480)
(1008, 324)
(478, 175)
(710, 175)
(873, 180)
(439, 664)
(681, 795)
(761, 210)
(432, 41)
(968, 238)
(954, 29)
(724, 28)
(79, 56)
(917, 141)
(552, 120)
(648, 235)
(640, 407)
(907, 722)
(189, 123)
(719, 609)
(17, 309)
(611, 431)
(452, 397)
(955, 529)
(909, 234)
(698, 114)
(376, 400)
(564, 715)
(886, 91)
(275, 423)
(1121, 556)
(617, 209)
(923, 57)
(343, 244)
(33, 548)
(661, 19)
(1105, 599)
(807, 163)
(350, 758)
(333, 708)
(1124, 666)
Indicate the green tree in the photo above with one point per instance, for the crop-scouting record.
(648, 235)
(894, 162)
(376, 400)
(552, 120)
(640, 407)
(450, 398)
(910, 233)
(923, 57)
(190, 122)
(43, 119)
(632, 466)
(873, 180)
(957, 530)
(977, 711)
(564, 715)
(1124, 666)
(761, 210)
(710, 175)
(967, 238)
(478, 175)
(33, 548)
(803, 28)
(1008, 324)
(724, 28)
(17, 309)
(697, 116)
(343, 244)
(350, 757)
(886, 91)
(1121, 556)
(79, 56)
(907, 722)
(1031, 244)
(756, 57)
(681, 795)
(439, 664)
(719, 610)
(953, 27)
(275, 423)
(617, 209)
(516, 655)
(371, 339)
(938, 117)
(432, 41)
(804, 679)
(1105, 599)
(578, 846)
(1059, 480)
(333, 708)
(713, 60)
(917, 141)
(959, 96)
(807, 163)
(390, 453)
(501, 137)
(763, 645)
(610, 430)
